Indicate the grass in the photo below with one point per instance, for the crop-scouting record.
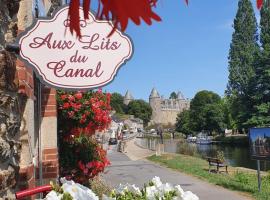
(235, 180)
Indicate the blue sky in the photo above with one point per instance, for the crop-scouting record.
(187, 51)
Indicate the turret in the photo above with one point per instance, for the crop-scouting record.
(128, 98)
(180, 95)
(155, 103)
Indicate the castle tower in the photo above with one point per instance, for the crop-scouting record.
(128, 98)
(180, 95)
(155, 103)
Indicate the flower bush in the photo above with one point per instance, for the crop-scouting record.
(154, 190)
(80, 114)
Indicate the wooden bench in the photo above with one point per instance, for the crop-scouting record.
(217, 163)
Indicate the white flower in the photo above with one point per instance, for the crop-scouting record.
(179, 190)
(77, 191)
(135, 189)
(189, 196)
(121, 189)
(157, 182)
(157, 191)
(104, 197)
(53, 196)
(165, 188)
(151, 192)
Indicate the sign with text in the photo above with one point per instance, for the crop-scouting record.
(64, 61)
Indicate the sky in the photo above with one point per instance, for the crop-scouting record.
(187, 51)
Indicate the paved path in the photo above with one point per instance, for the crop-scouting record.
(125, 170)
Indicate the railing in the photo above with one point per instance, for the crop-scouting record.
(33, 191)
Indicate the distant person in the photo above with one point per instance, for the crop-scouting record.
(160, 133)
(173, 134)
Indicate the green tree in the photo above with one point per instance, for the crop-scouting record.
(214, 117)
(183, 123)
(140, 109)
(228, 119)
(242, 53)
(261, 113)
(173, 95)
(206, 112)
(117, 102)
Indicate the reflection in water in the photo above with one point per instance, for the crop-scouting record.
(237, 156)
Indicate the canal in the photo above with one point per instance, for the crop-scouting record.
(236, 156)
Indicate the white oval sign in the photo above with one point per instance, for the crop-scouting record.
(64, 61)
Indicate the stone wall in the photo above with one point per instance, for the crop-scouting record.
(11, 103)
(163, 114)
(19, 125)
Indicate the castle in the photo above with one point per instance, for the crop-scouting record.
(165, 111)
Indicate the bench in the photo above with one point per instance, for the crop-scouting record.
(217, 163)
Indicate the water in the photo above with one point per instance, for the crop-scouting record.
(236, 156)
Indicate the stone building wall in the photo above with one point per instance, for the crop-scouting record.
(11, 103)
(165, 111)
(19, 124)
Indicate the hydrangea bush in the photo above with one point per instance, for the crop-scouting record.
(154, 190)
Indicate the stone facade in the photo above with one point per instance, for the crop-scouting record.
(11, 103)
(21, 148)
(165, 111)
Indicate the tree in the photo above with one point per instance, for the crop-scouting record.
(173, 95)
(140, 109)
(214, 118)
(206, 112)
(117, 102)
(261, 113)
(183, 123)
(242, 53)
(228, 119)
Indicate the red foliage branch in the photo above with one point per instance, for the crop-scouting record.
(118, 11)
(259, 4)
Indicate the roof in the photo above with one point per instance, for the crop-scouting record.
(128, 95)
(154, 93)
(180, 95)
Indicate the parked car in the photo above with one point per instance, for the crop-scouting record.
(140, 130)
(112, 141)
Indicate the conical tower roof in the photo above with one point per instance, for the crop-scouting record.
(180, 95)
(128, 95)
(154, 93)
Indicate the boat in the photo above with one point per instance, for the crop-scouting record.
(191, 139)
(203, 139)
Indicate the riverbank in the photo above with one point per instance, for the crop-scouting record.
(237, 179)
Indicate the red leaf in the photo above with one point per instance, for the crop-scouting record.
(74, 16)
(86, 7)
(123, 10)
(259, 4)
